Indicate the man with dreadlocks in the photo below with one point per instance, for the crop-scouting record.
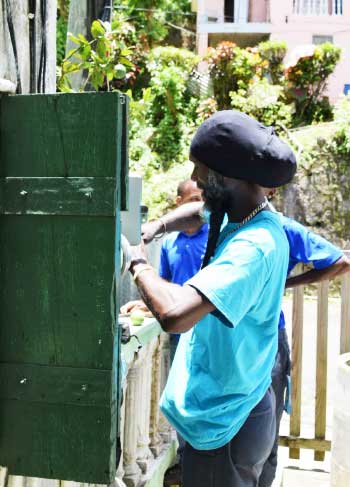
(218, 394)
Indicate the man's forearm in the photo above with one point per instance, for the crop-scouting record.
(184, 216)
(341, 266)
(177, 308)
(181, 219)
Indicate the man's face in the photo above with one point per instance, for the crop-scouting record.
(190, 193)
(214, 193)
(199, 173)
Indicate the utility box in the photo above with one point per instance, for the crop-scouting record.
(63, 183)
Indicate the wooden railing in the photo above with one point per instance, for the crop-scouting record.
(318, 443)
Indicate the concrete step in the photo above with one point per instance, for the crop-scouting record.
(294, 477)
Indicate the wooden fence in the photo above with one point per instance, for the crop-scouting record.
(318, 443)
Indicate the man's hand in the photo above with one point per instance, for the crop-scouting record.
(150, 230)
(184, 217)
(130, 306)
(138, 254)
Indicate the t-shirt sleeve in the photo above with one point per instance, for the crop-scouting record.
(308, 247)
(233, 281)
(164, 268)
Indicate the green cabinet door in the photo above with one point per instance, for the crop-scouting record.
(63, 167)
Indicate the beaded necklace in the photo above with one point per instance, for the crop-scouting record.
(246, 219)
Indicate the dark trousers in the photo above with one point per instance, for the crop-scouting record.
(238, 463)
(280, 372)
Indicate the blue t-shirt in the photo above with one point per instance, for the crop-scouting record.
(308, 248)
(181, 255)
(222, 366)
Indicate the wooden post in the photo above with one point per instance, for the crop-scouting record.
(321, 366)
(297, 352)
(17, 11)
(345, 313)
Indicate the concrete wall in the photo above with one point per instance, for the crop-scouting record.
(19, 11)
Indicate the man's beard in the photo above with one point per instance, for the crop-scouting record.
(216, 196)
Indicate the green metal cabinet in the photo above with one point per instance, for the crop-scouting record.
(63, 171)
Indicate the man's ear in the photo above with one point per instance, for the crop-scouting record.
(178, 200)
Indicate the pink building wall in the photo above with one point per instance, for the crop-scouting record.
(295, 29)
(300, 29)
(258, 11)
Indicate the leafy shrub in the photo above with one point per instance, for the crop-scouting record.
(264, 102)
(272, 54)
(152, 19)
(306, 82)
(230, 68)
(341, 139)
(168, 56)
(206, 108)
(61, 39)
(172, 107)
(159, 190)
(142, 159)
(106, 58)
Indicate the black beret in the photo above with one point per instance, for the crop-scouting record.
(237, 146)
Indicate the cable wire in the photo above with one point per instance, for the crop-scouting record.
(43, 49)
(32, 45)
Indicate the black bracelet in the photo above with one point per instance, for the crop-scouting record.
(135, 262)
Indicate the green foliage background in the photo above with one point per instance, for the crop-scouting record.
(168, 101)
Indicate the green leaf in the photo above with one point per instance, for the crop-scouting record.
(83, 39)
(71, 52)
(97, 79)
(85, 52)
(71, 68)
(101, 48)
(73, 38)
(126, 62)
(96, 29)
(126, 52)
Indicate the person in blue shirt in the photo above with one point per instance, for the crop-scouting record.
(218, 394)
(328, 262)
(182, 253)
(181, 257)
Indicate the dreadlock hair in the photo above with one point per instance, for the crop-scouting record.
(216, 199)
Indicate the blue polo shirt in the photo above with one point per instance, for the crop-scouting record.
(181, 255)
(222, 366)
(308, 248)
